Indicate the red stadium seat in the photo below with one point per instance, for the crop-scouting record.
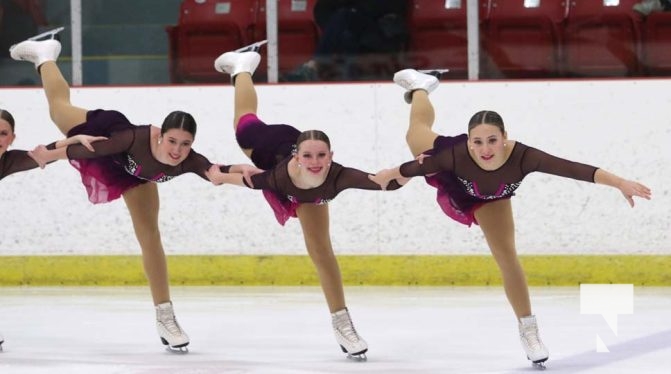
(657, 43)
(522, 39)
(438, 35)
(602, 38)
(207, 28)
(297, 33)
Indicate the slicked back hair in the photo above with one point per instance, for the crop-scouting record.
(488, 117)
(179, 120)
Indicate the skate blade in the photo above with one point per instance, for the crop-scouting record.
(51, 34)
(254, 47)
(361, 357)
(177, 350)
(539, 365)
(435, 72)
(180, 349)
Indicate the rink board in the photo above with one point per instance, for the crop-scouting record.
(541, 270)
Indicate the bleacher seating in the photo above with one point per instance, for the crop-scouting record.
(602, 38)
(438, 35)
(207, 28)
(297, 33)
(522, 39)
(657, 44)
(518, 38)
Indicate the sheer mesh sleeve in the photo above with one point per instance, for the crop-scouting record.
(117, 142)
(198, 164)
(354, 178)
(536, 160)
(442, 161)
(15, 161)
(263, 181)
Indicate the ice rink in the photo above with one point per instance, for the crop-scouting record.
(286, 330)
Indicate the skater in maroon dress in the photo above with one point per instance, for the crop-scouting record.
(300, 179)
(123, 166)
(475, 176)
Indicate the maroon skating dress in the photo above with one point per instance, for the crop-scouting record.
(272, 148)
(124, 160)
(462, 186)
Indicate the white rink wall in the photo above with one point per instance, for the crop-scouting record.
(623, 126)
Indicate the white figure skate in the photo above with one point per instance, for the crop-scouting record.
(38, 49)
(169, 331)
(413, 80)
(350, 342)
(242, 60)
(536, 351)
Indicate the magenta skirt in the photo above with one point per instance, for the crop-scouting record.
(450, 195)
(270, 144)
(104, 178)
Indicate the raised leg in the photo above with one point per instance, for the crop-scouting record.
(43, 54)
(245, 99)
(62, 112)
(420, 136)
(241, 66)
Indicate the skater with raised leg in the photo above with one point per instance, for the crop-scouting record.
(300, 179)
(476, 174)
(128, 164)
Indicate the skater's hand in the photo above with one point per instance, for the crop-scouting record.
(215, 175)
(421, 158)
(86, 140)
(630, 189)
(402, 181)
(41, 155)
(247, 172)
(383, 177)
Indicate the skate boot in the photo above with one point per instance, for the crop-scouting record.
(2, 340)
(413, 80)
(168, 329)
(350, 342)
(243, 60)
(536, 351)
(37, 51)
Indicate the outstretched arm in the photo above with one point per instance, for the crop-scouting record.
(536, 160)
(383, 177)
(628, 188)
(84, 140)
(355, 178)
(58, 150)
(237, 174)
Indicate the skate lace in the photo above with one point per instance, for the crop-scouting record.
(530, 335)
(346, 327)
(170, 324)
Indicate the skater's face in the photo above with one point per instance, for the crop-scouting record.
(314, 156)
(174, 146)
(6, 135)
(486, 144)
